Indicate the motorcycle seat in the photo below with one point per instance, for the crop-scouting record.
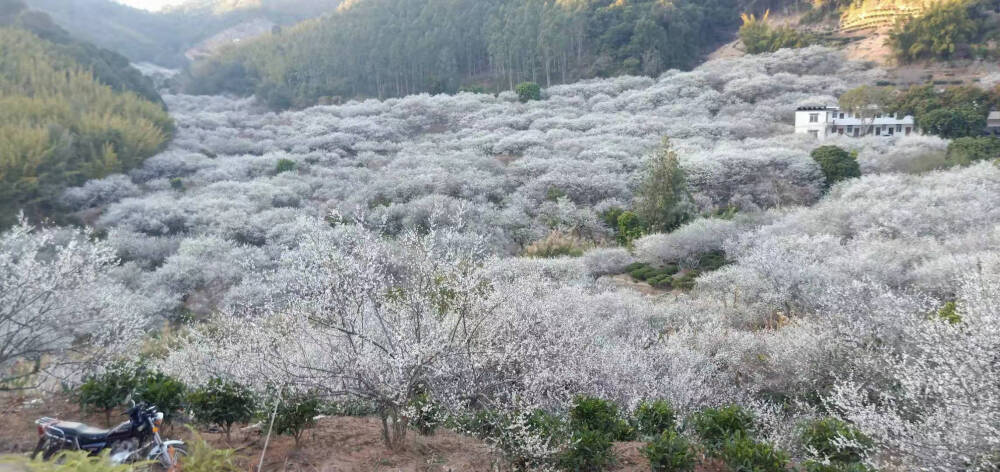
(86, 434)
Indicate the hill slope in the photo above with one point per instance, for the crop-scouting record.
(163, 38)
(69, 111)
(388, 48)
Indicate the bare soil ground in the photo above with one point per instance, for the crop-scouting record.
(336, 444)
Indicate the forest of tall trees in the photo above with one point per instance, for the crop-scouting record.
(385, 48)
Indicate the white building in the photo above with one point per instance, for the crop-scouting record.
(993, 124)
(823, 121)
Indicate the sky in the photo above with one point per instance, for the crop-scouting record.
(151, 5)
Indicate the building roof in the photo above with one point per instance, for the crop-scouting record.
(817, 108)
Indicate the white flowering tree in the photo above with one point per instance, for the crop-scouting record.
(59, 308)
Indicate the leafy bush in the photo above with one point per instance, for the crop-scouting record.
(712, 260)
(163, 391)
(743, 454)
(222, 403)
(295, 414)
(717, 425)
(556, 244)
(821, 436)
(759, 37)
(177, 183)
(629, 227)
(969, 149)
(945, 31)
(202, 457)
(426, 415)
(108, 390)
(814, 466)
(285, 165)
(527, 91)
(949, 313)
(954, 122)
(670, 452)
(588, 451)
(73, 461)
(686, 281)
(602, 416)
(654, 418)
(836, 163)
(663, 201)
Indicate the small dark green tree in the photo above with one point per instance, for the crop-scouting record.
(629, 228)
(222, 403)
(836, 163)
(163, 391)
(285, 165)
(108, 390)
(527, 91)
(588, 451)
(654, 418)
(717, 425)
(177, 183)
(596, 414)
(821, 437)
(743, 454)
(964, 151)
(670, 452)
(954, 122)
(295, 414)
(664, 202)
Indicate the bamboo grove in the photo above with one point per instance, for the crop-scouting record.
(59, 126)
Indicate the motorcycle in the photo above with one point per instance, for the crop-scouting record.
(135, 440)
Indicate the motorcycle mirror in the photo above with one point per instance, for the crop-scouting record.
(130, 400)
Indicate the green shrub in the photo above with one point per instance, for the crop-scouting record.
(822, 435)
(836, 163)
(177, 183)
(635, 266)
(285, 165)
(949, 313)
(813, 466)
(588, 451)
(717, 425)
(654, 418)
(596, 414)
(202, 457)
(662, 281)
(163, 391)
(758, 37)
(743, 454)
(687, 281)
(643, 273)
(426, 414)
(295, 414)
(712, 260)
(966, 150)
(222, 403)
(109, 390)
(670, 452)
(73, 461)
(952, 123)
(630, 228)
(527, 91)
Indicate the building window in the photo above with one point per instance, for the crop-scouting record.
(857, 131)
(840, 131)
(814, 133)
(899, 128)
(907, 130)
(878, 131)
(814, 117)
(890, 131)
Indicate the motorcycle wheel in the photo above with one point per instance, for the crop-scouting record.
(162, 464)
(44, 448)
